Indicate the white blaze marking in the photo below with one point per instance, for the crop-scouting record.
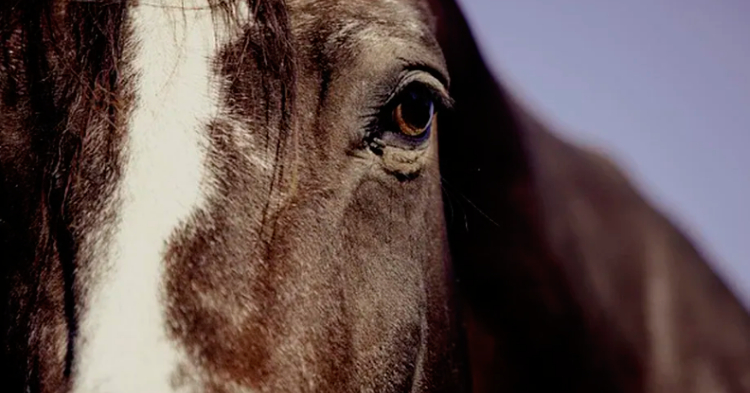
(123, 345)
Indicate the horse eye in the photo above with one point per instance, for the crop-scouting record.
(414, 113)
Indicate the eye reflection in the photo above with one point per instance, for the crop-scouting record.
(414, 113)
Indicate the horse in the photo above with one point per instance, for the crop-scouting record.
(330, 195)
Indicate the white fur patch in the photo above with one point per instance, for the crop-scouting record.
(123, 345)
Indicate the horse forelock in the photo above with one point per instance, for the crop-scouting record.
(63, 117)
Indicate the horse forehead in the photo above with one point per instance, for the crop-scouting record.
(373, 5)
(389, 16)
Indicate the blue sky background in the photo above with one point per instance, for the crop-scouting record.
(663, 85)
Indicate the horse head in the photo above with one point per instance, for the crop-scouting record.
(298, 196)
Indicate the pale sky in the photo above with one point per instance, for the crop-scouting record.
(664, 85)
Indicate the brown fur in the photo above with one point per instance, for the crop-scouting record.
(334, 266)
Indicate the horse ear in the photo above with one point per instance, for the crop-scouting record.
(568, 279)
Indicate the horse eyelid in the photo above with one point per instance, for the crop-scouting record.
(439, 95)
